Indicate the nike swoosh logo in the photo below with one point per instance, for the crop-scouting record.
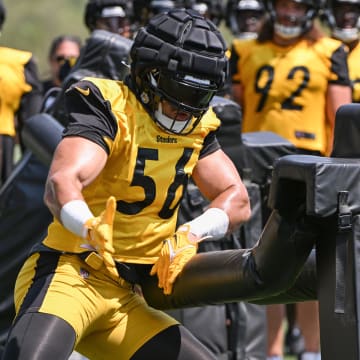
(85, 92)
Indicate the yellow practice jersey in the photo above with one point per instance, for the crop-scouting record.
(354, 72)
(284, 88)
(13, 86)
(147, 168)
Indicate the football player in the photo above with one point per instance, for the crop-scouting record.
(342, 16)
(130, 148)
(292, 79)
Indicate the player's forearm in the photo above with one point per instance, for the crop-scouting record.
(226, 212)
(59, 190)
(235, 202)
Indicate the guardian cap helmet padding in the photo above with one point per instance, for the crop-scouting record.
(302, 25)
(178, 57)
(343, 19)
(94, 10)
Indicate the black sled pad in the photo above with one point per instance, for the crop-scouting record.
(315, 180)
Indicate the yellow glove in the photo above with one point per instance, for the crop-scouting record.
(100, 235)
(174, 254)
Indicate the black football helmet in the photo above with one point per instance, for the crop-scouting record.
(300, 25)
(243, 17)
(116, 15)
(210, 9)
(343, 19)
(144, 10)
(178, 57)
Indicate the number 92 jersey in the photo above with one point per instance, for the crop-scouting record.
(284, 88)
(146, 170)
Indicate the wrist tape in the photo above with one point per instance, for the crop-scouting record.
(212, 223)
(74, 215)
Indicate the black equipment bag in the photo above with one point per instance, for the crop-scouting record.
(23, 222)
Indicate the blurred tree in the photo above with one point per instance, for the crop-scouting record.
(32, 24)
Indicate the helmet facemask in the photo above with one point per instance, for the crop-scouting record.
(186, 96)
